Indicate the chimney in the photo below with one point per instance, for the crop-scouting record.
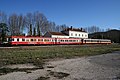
(81, 29)
(71, 27)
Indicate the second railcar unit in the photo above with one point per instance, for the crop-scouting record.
(96, 41)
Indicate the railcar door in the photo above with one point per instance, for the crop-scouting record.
(82, 41)
(56, 42)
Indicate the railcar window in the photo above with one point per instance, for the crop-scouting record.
(34, 39)
(17, 39)
(12, 39)
(95, 41)
(9, 39)
(70, 40)
(27, 39)
(92, 41)
(23, 39)
(52, 40)
(62, 40)
(46, 40)
(40, 39)
(31, 39)
(66, 40)
(74, 40)
(88, 41)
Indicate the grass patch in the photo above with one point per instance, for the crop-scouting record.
(37, 55)
(9, 70)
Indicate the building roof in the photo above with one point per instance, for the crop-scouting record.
(57, 33)
(74, 29)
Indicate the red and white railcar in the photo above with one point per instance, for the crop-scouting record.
(96, 41)
(25, 40)
(71, 41)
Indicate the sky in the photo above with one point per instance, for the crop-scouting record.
(77, 13)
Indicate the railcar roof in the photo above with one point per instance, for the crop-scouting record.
(28, 37)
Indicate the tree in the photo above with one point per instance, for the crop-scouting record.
(93, 29)
(41, 21)
(38, 30)
(16, 24)
(21, 24)
(108, 29)
(29, 22)
(34, 31)
(3, 17)
(63, 27)
(30, 32)
(4, 30)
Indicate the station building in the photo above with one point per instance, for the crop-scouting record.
(68, 33)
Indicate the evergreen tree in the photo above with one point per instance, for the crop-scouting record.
(3, 30)
(38, 30)
(34, 31)
(30, 32)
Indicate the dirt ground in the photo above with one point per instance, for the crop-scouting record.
(99, 67)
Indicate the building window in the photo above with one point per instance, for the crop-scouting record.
(79, 34)
(71, 34)
(82, 35)
(75, 34)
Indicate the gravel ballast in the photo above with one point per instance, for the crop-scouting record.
(99, 67)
